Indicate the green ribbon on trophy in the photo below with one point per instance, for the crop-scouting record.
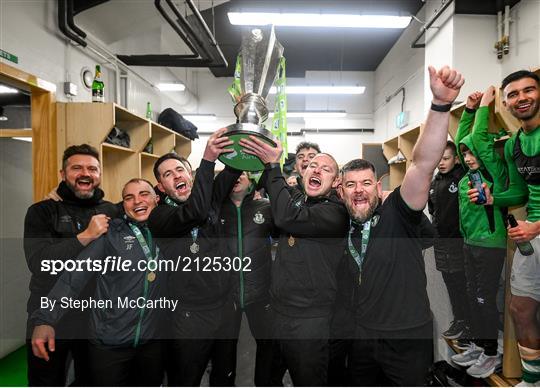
(258, 66)
(279, 122)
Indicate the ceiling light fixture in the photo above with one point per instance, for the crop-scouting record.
(199, 117)
(317, 20)
(171, 87)
(7, 90)
(322, 89)
(317, 114)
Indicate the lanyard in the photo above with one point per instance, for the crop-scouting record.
(144, 245)
(194, 232)
(359, 257)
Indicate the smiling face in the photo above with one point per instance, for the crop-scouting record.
(522, 98)
(82, 175)
(470, 159)
(361, 193)
(175, 180)
(138, 199)
(303, 157)
(320, 176)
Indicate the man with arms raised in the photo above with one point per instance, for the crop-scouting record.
(184, 224)
(522, 154)
(303, 285)
(387, 282)
(60, 230)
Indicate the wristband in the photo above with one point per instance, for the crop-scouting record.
(441, 108)
(270, 166)
(470, 110)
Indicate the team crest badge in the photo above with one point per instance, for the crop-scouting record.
(259, 218)
(375, 220)
(453, 188)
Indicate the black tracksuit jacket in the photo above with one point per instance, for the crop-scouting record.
(444, 208)
(116, 326)
(172, 225)
(246, 232)
(50, 232)
(309, 250)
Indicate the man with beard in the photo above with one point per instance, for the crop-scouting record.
(522, 154)
(303, 285)
(387, 283)
(60, 230)
(128, 352)
(184, 224)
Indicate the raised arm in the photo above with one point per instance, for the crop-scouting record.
(466, 121)
(485, 145)
(445, 85)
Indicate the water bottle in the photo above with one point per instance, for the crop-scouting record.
(525, 248)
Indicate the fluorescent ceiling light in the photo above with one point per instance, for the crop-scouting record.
(171, 87)
(317, 114)
(7, 90)
(199, 117)
(317, 20)
(321, 89)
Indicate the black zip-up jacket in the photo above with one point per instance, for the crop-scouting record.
(50, 233)
(195, 285)
(309, 250)
(246, 232)
(116, 325)
(443, 205)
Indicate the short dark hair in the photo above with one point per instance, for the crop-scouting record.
(81, 149)
(517, 75)
(307, 145)
(358, 165)
(170, 155)
(451, 146)
(137, 180)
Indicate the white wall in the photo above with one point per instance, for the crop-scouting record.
(524, 37)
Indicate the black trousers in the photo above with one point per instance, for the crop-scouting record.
(260, 324)
(483, 268)
(53, 373)
(199, 336)
(342, 329)
(301, 346)
(127, 366)
(456, 284)
(399, 358)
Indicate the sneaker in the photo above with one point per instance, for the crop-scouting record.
(468, 357)
(455, 330)
(485, 366)
(463, 343)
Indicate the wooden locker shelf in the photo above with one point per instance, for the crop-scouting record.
(90, 123)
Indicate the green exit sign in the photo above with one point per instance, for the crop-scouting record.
(8, 56)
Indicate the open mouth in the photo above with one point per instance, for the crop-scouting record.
(523, 107)
(315, 182)
(84, 183)
(140, 210)
(359, 201)
(181, 186)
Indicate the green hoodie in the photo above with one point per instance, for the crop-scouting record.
(474, 219)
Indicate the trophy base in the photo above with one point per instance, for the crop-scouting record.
(238, 159)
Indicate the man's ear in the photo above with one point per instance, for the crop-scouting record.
(62, 174)
(160, 187)
(504, 103)
(337, 182)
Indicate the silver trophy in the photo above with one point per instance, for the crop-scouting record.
(261, 53)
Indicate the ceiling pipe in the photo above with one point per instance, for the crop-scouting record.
(62, 20)
(424, 28)
(71, 22)
(207, 52)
